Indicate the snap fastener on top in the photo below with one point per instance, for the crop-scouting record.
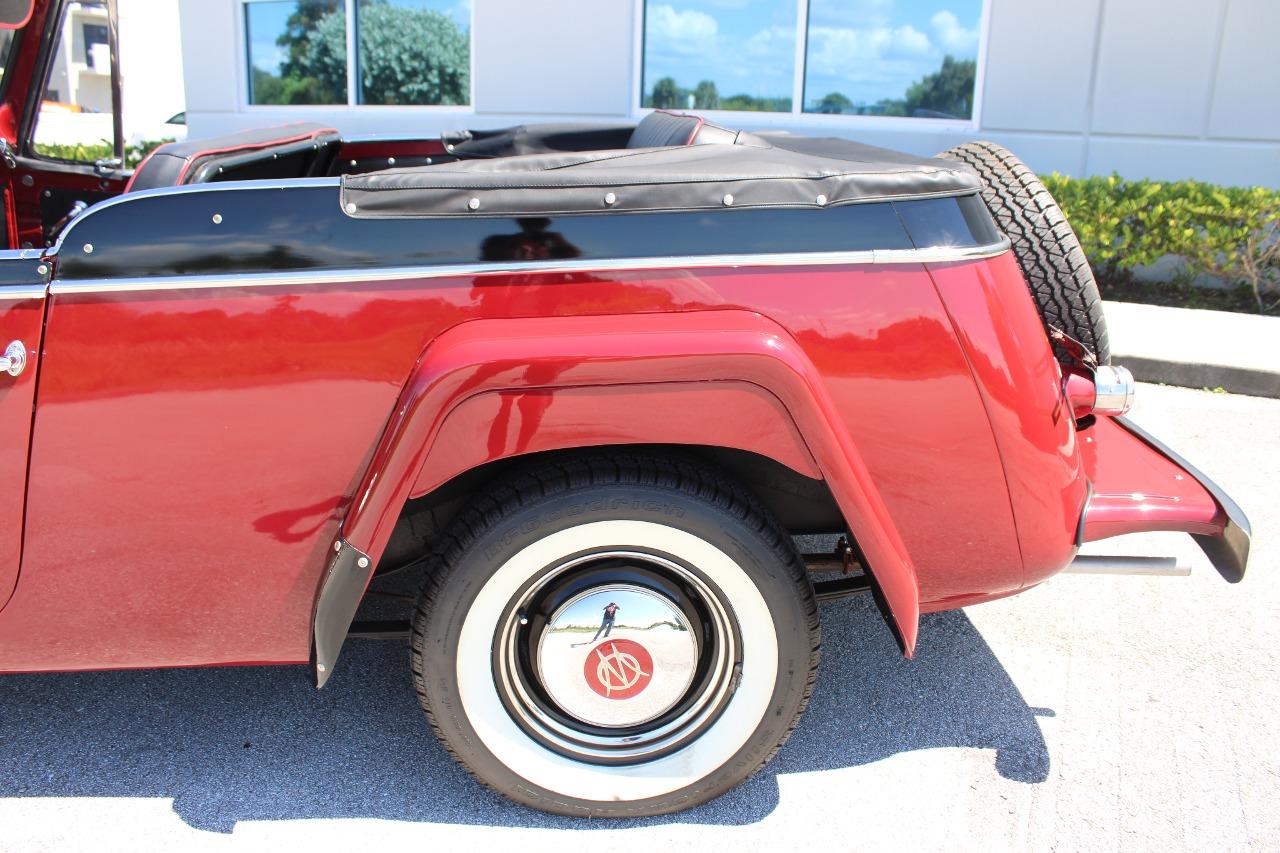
(822, 199)
(728, 198)
(610, 198)
(351, 207)
(474, 204)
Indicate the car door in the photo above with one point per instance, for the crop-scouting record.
(62, 142)
(23, 277)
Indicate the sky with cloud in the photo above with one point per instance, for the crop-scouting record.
(866, 49)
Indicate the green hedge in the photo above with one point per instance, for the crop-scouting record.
(1229, 232)
(133, 154)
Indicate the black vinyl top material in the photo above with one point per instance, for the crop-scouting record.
(776, 171)
(660, 128)
(176, 163)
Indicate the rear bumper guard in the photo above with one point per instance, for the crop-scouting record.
(1228, 551)
(1139, 484)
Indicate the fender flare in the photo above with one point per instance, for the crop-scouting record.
(712, 346)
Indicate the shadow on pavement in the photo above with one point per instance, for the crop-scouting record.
(261, 744)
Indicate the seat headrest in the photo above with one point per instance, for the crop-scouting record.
(660, 129)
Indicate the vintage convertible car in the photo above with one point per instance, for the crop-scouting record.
(583, 386)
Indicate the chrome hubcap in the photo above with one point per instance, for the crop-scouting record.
(617, 657)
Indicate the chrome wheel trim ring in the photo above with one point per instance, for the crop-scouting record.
(509, 743)
(629, 746)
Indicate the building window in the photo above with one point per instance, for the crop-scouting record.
(711, 55)
(895, 58)
(297, 51)
(912, 58)
(414, 52)
(97, 46)
(408, 52)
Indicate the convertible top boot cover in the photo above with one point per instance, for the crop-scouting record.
(780, 172)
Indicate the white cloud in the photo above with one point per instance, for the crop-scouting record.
(835, 50)
(687, 32)
(951, 36)
(772, 43)
(852, 14)
(908, 41)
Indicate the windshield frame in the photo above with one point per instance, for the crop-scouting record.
(6, 64)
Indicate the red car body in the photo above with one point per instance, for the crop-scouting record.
(186, 449)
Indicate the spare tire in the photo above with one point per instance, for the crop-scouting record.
(1047, 250)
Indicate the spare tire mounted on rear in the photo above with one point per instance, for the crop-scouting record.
(1047, 250)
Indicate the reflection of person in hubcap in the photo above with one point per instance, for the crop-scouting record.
(606, 624)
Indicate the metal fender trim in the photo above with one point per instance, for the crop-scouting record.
(1229, 551)
(340, 593)
(561, 352)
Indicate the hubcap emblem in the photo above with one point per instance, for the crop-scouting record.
(618, 669)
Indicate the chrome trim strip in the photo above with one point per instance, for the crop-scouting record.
(20, 254)
(21, 292)
(350, 276)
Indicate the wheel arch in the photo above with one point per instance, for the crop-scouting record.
(728, 379)
(801, 503)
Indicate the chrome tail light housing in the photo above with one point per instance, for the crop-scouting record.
(1105, 389)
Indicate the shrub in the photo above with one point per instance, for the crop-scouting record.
(1229, 232)
(134, 153)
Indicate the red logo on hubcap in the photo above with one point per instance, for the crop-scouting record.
(618, 669)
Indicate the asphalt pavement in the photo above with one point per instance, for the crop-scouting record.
(1091, 713)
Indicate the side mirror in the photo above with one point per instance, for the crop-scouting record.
(14, 14)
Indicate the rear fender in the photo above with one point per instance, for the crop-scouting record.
(500, 424)
(688, 362)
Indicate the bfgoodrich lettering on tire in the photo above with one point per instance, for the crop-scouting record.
(615, 636)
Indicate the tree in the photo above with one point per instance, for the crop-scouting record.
(301, 80)
(407, 56)
(666, 94)
(835, 103)
(946, 93)
(412, 56)
(750, 103)
(705, 96)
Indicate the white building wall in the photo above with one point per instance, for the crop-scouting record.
(151, 65)
(1149, 88)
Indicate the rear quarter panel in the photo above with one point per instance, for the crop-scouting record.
(196, 448)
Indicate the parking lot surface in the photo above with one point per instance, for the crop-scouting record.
(1092, 713)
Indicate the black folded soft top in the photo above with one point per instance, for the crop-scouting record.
(765, 171)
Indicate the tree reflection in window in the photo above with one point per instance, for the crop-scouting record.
(413, 52)
(408, 51)
(910, 58)
(717, 55)
(905, 58)
(297, 52)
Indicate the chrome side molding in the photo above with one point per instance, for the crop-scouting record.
(298, 278)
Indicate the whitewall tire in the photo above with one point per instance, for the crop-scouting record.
(615, 636)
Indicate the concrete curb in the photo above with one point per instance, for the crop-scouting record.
(1193, 348)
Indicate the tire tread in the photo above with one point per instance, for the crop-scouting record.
(1047, 249)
